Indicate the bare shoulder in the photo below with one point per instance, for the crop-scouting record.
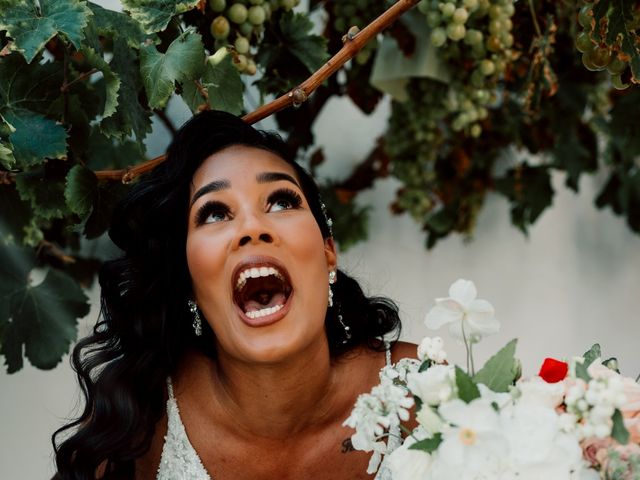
(403, 350)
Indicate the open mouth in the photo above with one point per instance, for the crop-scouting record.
(261, 291)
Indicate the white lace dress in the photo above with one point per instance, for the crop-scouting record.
(180, 461)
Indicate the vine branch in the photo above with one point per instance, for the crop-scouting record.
(353, 43)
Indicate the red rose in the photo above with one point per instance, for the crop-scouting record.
(553, 371)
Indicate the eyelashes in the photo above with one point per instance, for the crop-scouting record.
(215, 211)
(284, 199)
(212, 209)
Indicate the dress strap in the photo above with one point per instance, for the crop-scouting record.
(387, 352)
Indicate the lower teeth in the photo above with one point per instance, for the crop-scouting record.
(263, 312)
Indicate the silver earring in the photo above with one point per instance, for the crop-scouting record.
(332, 280)
(347, 329)
(197, 320)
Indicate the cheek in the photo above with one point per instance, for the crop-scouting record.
(205, 262)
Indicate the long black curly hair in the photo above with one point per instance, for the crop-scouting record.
(145, 324)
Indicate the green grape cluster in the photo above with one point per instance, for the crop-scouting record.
(355, 13)
(598, 55)
(474, 37)
(413, 141)
(240, 24)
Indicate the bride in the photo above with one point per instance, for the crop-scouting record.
(230, 345)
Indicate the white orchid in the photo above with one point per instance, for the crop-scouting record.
(469, 318)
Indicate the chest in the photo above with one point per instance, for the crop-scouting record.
(324, 455)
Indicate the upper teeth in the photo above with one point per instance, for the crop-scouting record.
(256, 272)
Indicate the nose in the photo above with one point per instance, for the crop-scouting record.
(254, 229)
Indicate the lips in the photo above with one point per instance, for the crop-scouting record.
(261, 290)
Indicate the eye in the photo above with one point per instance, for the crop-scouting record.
(212, 212)
(283, 199)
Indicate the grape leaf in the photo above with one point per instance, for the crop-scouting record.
(110, 80)
(45, 195)
(104, 153)
(7, 160)
(310, 49)
(130, 116)
(107, 196)
(500, 370)
(620, 15)
(26, 92)
(40, 319)
(80, 190)
(288, 46)
(530, 191)
(32, 26)
(222, 82)
(184, 61)
(14, 216)
(36, 137)
(119, 25)
(155, 15)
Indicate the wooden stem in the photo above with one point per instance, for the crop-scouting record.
(353, 43)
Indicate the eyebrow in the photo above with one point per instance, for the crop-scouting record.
(264, 177)
(267, 177)
(215, 186)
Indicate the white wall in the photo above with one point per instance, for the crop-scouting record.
(574, 281)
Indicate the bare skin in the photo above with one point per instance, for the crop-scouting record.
(272, 403)
(315, 448)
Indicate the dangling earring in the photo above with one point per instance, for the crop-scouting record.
(197, 320)
(346, 328)
(332, 280)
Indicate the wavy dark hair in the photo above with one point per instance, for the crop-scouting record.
(145, 324)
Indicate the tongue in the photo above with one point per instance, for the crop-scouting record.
(254, 305)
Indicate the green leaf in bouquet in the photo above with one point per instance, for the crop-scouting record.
(428, 444)
(183, 61)
(31, 25)
(155, 15)
(80, 190)
(619, 432)
(41, 319)
(501, 370)
(467, 389)
(581, 371)
(592, 354)
(222, 83)
(130, 115)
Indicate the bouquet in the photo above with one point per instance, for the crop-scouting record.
(578, 419)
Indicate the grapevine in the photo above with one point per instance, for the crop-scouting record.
(474, 37)
(608, 44)
(239, 24)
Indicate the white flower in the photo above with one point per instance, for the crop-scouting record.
(467, 316)
(538, 392)
(434, 386)
(429, 419)
(536, 442)
(432, 349)
(474, 441)
(407, 464)
(501, 399)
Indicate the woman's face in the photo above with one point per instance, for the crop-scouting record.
(258, 262)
